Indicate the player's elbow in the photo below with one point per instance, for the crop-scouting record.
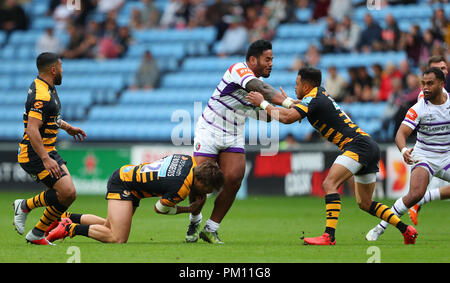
(288, 119)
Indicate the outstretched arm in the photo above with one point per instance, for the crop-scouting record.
(285, 116)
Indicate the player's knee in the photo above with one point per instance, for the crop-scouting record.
(329, 186)
(233, 180)
(68, 196)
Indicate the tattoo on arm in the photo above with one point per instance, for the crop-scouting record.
(265, 89)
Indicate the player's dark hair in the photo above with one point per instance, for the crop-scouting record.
(436, 59)
(46, 59)
(311, 75)
(437, 72)
(210, 175)
(257, 48)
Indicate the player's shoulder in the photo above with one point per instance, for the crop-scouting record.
(40, 90)
(240, 68)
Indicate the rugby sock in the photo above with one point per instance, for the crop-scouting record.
(76, 218)
(36, 201)
(78, 229)
(398, 209)
(333, 207)
(430, 195)
(195, 218)
(211, 226)
(383, 212)
(52, 212)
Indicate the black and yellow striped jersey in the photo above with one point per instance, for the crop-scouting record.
(325, 115)
(43, 104)
(170, 178)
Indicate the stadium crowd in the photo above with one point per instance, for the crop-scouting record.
(240, 22)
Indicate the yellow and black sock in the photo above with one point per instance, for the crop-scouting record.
(75, 217)
(52, 212)
(383, 212)
(75, 229)
(333, 206)
(36, 201)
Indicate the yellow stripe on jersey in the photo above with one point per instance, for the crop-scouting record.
(47, 141)
(328, 134)
(23, 156)
(35, 114)
(302, 107)
(337, 138)
(42, 90)
(50, 131)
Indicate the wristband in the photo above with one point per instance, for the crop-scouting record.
(287, 103)
(404, 150)
(165, 209)
(264, 104)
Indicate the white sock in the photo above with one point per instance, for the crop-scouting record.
(430, 195)
(398, 209)
(195, 218)
(211, 226)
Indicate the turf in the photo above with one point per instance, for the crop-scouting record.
(256, 230)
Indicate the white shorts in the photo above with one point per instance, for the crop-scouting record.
(210, 142)
(437, 164)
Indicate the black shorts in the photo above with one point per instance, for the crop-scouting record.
(365, 151)
(38, 172)
(116, 190)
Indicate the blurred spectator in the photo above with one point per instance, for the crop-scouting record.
(348, 34)
(377, 71)
(310, 59)
(335, 84)
(276, 12)
(12, 17)
(320, 9)
(215, 16)
(329, 41)
(407, 99)
(108, 45)
(74, 47)
(440, 24)
(48, 42)
(289, 143)
(353, 88)
(107, 6)
(145, 18)
(365, 82)
(411, 43)
(261, 30)
(427, 45)
(148, 74)
(339, 9)
(61, 16)
(390, 73)
(370, 36)
(405, 70)
(123, 40)
(169, 18)
(390, 35)
(235, 39)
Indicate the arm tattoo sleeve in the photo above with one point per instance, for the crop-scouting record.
(265, 89)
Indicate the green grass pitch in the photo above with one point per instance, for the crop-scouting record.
(256, 230)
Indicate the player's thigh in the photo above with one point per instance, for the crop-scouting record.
(419, 180)
(233, 166)
(120, 214)
(65, 189)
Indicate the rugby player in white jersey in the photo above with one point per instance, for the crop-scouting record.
(443, 192)
(220, 135)
(430, 156)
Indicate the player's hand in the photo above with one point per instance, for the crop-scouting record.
(407, 156)
(255, 98)
(197, 205)
(77, 133)
(283, 93)
(52, 167)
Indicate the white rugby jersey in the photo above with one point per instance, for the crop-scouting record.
(432, 123)
(227, 109)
